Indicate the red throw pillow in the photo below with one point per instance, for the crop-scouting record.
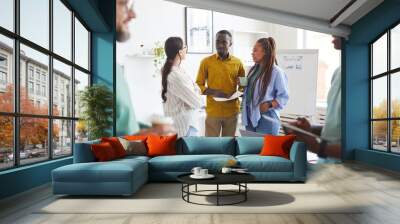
(161, 145)
(277, 145)
(103, 152)
(116, 145)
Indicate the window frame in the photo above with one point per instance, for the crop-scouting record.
(388, 74)
(16, 114)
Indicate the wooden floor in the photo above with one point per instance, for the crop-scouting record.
(379, 189)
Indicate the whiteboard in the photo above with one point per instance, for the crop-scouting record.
(301, 68)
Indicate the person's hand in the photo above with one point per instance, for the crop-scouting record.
(300, 122)
(238, 81)
(303, 123)
(264, 107)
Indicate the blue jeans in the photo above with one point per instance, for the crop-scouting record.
(265, 126)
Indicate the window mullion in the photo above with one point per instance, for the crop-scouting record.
(16, 84)
(73, 82)
(389, 106)
(50, 81)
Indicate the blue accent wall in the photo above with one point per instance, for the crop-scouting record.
(356, 82)
(99, 16)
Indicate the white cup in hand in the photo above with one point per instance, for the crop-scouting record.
(196, 171)
(226, 170)
(243, 81)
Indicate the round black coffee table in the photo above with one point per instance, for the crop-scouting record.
(238, 179)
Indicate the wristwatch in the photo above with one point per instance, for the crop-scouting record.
(321, 151)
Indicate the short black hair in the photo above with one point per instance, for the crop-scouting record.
(224, 32)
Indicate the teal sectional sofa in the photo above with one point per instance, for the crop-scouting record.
(125, 176)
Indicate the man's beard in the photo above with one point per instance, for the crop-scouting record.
(123, 36)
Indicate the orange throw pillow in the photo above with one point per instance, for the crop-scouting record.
(277, 145)
(161, 145)
(103, 152)
(116, 145)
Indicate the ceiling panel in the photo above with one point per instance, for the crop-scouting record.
(320, 9)
(312, 15)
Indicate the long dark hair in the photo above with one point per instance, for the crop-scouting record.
(267, 66)
(172, 47)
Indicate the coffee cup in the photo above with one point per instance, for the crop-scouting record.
(196, 171)
(243, 81)
(226, 170)
(203, 172)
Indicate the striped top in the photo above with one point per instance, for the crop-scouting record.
(183, 101)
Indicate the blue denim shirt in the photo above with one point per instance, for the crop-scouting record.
(277, 90)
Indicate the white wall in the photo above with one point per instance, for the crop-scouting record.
(156, 21)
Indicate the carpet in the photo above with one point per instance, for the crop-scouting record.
(166, 198)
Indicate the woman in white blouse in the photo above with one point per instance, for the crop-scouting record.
(180, 95)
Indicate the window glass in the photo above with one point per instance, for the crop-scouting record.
(395, 138)
(81, 45)
(379, 135)
(81, 131)
(62, 29)
(39, 62)
(62, 138)
(7, 14)
(379, 98)
(33, 140)
(6, 142)
(6, 74)
(81, 82)
(379, 56)
(35, 21)
(395, 95)
(62, 91)
(395, 47)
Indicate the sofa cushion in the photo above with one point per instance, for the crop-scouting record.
(257, 163)
(185, 163)
(112, 171)
(161, 145)
(277, 145)
(83, 152)
(249, 145)
(103, 152)
(133, 158)
(206, 145)
(135, 147)
(116, 145)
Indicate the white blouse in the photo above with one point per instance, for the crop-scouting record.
(183, 101)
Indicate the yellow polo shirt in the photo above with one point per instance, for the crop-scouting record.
(219, 74)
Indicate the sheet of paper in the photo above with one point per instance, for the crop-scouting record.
(294, 128)
(234, 96)
(285, 125)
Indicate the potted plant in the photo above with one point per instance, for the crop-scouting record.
(96, 102)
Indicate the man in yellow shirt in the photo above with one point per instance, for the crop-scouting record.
(217, 77)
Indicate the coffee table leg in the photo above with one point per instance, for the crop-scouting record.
(217, 194)
(188, 189)
(245, 193)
